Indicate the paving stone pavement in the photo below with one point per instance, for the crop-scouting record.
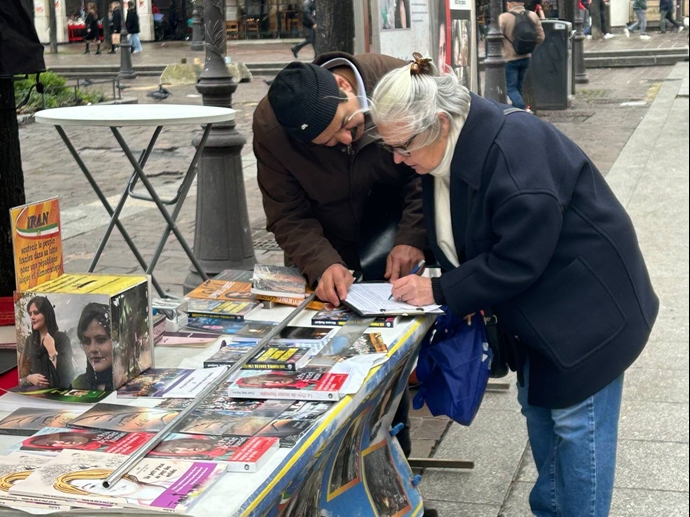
(605, 114)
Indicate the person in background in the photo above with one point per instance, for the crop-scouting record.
(115, 25)
(310, 26)
(640, 8)
(602, 16)
(92, 29)
(539, 10)
(132, 24)
(666, 10)
(517, 65)
(46, 361)
(522, 222)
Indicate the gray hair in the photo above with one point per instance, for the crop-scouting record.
(413, 102)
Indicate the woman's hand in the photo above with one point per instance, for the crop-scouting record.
(38, 380)
(413, 289)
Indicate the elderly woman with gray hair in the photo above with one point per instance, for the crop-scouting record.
(522, 223)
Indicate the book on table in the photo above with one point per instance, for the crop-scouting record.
(222, 290)
(174, 383)
(228, 354)
(152, 483)
(279, 357)
(26, 421)
(295, 422)
(279, 281)
(15, 467)
(223, 309)
(309, 383)
(333, 317)
(128, 419)
(186, 338)
(254, 454)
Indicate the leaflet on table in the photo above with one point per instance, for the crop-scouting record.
(152, 483)
(174, 383)
(15, 467)
(26, 421)
(50, 441)
(309, 383)
(372, 299)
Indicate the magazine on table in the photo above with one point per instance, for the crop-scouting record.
(174, 383)
(153, 483)
(14, 469)
(50, 441)
(26, 421)
(309, 383)
(279, 281)
(128, 419)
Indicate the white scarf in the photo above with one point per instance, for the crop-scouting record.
(444, 225)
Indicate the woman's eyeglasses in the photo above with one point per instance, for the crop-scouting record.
(398, 149)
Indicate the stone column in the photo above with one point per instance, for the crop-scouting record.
(223, 236)
(495, 88)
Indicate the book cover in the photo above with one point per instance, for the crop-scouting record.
(26, 421)
(289, 358)
(224, 423)
(14, 469)
(186, 338)
(254, 331)
(295, 335)
(222, 290)
(222, 309)
(367, 343)
(238, 275)
(340, 316)
(219, 400)
(51, 440)
(153, 483)
(228, 354)
(170, 383)
(279, 281)
(306, 384)
(254, 454)
(57, 395)
(128, 419)
(215, 325)
(198, 447)
(295, 422)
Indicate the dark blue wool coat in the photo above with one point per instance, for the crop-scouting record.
(546, 244)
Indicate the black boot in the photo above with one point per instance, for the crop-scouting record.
(98, 49)
(87, 49)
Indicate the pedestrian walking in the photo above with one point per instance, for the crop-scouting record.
(115, 27)
(92, 30)
(602, 17)
(309, 24)
(523, 32)
(132, 24)
(666, 9)
(640, 8)
(523, 223)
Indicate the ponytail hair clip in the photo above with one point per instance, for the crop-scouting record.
(420, 65)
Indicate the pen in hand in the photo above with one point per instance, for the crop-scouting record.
(417, 270)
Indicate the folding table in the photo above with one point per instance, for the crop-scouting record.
(126, 115)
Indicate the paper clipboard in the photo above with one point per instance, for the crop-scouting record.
(371, 299)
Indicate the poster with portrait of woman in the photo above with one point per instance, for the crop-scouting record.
(463, 43)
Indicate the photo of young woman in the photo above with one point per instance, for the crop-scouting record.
(46, 358)
(95, 338)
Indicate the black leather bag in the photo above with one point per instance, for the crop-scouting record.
(500, 343)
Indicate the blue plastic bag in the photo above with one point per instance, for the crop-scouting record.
(453, 368)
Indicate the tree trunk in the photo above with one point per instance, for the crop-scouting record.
(12, 181)
(595, 13)
(52, 26)
(335, 26)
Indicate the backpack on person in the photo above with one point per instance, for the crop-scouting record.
(524, 34)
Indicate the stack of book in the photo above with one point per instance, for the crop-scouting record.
(224, 299)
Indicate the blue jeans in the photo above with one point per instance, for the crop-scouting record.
(641, 21)
(575, 453)
(516, 71)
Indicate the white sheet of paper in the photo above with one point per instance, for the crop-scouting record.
(372, 299)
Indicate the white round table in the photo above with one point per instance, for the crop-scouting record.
(116, 116)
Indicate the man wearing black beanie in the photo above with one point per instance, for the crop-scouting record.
(318, 161)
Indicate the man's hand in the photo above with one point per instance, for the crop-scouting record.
(413, 289)
(401, 260)
(334, 284)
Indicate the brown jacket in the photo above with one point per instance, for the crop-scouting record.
(314, 196)
(507, 23)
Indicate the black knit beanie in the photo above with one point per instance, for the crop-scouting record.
(304, 98)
